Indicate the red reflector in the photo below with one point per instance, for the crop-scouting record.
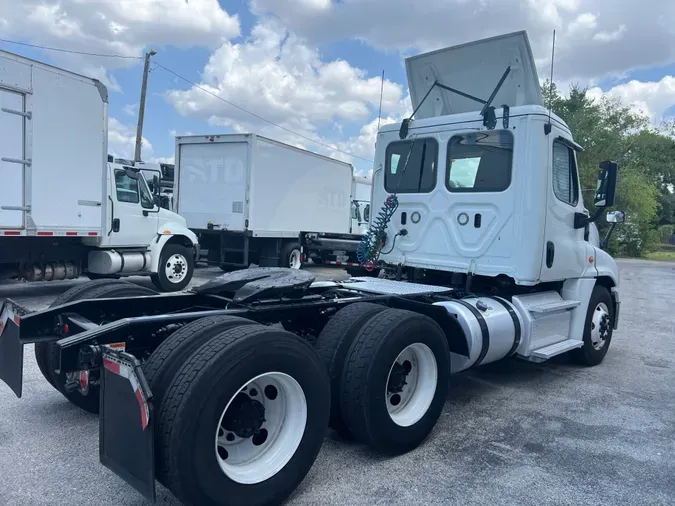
(92, 233)
(84, 380)
(45, 233)
(71, 233)
(66, 328)
(12, 232)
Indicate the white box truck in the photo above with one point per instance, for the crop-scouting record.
(253, 200)
(65, 210)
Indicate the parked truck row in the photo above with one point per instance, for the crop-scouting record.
(68, 209)
(224, 393)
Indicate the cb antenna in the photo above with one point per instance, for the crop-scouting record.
(379, 114)
(547, 127)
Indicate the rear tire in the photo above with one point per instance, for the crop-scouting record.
(75, 293)
(332, 346)
(175, 350)
(598, 328)
(193, 458)
(395, 381)
(114, 288)
(175, 269)
(291, 256)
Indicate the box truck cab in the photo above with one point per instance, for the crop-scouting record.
(65, 210)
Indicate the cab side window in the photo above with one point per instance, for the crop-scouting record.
(127, 188)
(565, 182)
(411, 166)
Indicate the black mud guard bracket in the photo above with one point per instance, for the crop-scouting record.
(11, 347)
(126, 422)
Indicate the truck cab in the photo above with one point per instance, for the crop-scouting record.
(491, 200)
(141, 235)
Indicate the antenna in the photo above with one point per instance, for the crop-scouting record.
(547, 127)
(379, 114)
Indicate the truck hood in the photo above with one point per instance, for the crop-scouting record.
(167, 218)
(474, 68)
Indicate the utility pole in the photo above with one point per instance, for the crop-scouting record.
(141, 106)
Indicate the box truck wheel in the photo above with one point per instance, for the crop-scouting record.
(244, 419)
(332, 346)
(291, 256)
(395, 380)
(598, 328)
(175, 269)
(100, 289)
(77, 292)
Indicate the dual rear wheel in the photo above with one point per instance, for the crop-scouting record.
(389, 371)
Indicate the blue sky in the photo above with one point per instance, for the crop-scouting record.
(314, 65)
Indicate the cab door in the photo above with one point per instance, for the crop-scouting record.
(130, 225)
(566, 252)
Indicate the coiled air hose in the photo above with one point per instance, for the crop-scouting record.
(369, 248)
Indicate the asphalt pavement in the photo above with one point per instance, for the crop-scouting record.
(512, 433)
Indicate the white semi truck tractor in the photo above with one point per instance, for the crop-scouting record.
(479, 224)
(65, 209)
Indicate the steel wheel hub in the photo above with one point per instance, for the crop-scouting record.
(600, 326)
(411, 384)
(261, 428)
(176, 268)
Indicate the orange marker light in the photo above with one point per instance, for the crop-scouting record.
(591, 259)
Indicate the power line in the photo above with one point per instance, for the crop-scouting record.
(260, 117)
(61, 50)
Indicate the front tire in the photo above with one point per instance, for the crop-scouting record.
(598, 328)
(175, 269)
(254, 396)
(395, 381)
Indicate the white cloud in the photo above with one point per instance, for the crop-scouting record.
(640, 34)
(277, 75)
(131, 109)
(124, 27)
(650, 98)
(122, 141)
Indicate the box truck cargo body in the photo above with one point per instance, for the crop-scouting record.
(253, 200)
(65, 210)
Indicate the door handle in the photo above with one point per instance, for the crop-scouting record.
(550, 253)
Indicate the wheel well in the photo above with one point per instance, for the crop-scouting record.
(180, 239)
(606, 281)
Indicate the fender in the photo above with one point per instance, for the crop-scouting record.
(166, 233)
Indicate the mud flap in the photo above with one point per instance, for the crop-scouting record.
(126, 422)
(11, 348)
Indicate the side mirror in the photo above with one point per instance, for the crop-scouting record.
(403, 131)
(355, 211)
(616, 217)
(155, 185)
(606, 189)
(366, 213)
(157, 200)
(131, 173)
